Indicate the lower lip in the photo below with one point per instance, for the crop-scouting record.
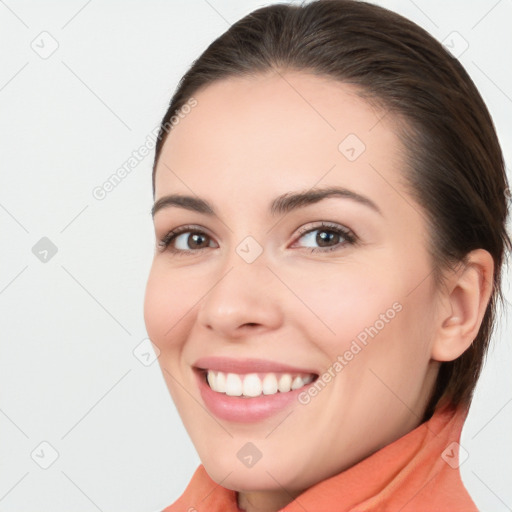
(244, 410)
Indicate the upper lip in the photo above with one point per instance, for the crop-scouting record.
(247, 365)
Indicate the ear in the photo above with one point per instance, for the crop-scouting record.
(465, 300)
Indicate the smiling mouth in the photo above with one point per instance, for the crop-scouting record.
(252, 385)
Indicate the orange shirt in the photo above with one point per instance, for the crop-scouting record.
(418, 472)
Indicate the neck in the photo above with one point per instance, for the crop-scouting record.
(264, 501)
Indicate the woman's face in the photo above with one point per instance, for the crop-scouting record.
(272, 280)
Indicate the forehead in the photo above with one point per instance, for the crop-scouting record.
(282, 130)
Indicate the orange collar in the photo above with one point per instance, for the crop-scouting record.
(416, 473)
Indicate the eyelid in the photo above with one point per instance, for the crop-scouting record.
(313, 225)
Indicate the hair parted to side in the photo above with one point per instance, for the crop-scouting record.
(455, 165)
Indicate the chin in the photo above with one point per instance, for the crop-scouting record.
(259, 477)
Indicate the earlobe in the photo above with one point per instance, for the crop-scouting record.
(468, 292)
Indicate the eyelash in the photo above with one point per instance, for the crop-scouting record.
(348, 236)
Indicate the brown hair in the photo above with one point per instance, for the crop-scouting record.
(455, 166)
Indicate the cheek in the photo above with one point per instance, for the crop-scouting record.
(369, 311)
(391, 369)
(166, 304)
(343, 303)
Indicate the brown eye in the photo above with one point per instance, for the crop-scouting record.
(326, 238)
(193, 240)
(186, 241)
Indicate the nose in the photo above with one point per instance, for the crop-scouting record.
(243, 299)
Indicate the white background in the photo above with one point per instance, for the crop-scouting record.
(68, 375)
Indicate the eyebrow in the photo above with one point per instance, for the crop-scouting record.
(280, 205)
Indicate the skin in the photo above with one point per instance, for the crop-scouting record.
(247, 141)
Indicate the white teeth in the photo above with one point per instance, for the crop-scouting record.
(220, 382)
(233, 384)
(211, 379)
(251, 385)
(297, 383)
(269, 384)
(285, 383)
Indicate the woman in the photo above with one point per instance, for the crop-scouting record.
(330, 208)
